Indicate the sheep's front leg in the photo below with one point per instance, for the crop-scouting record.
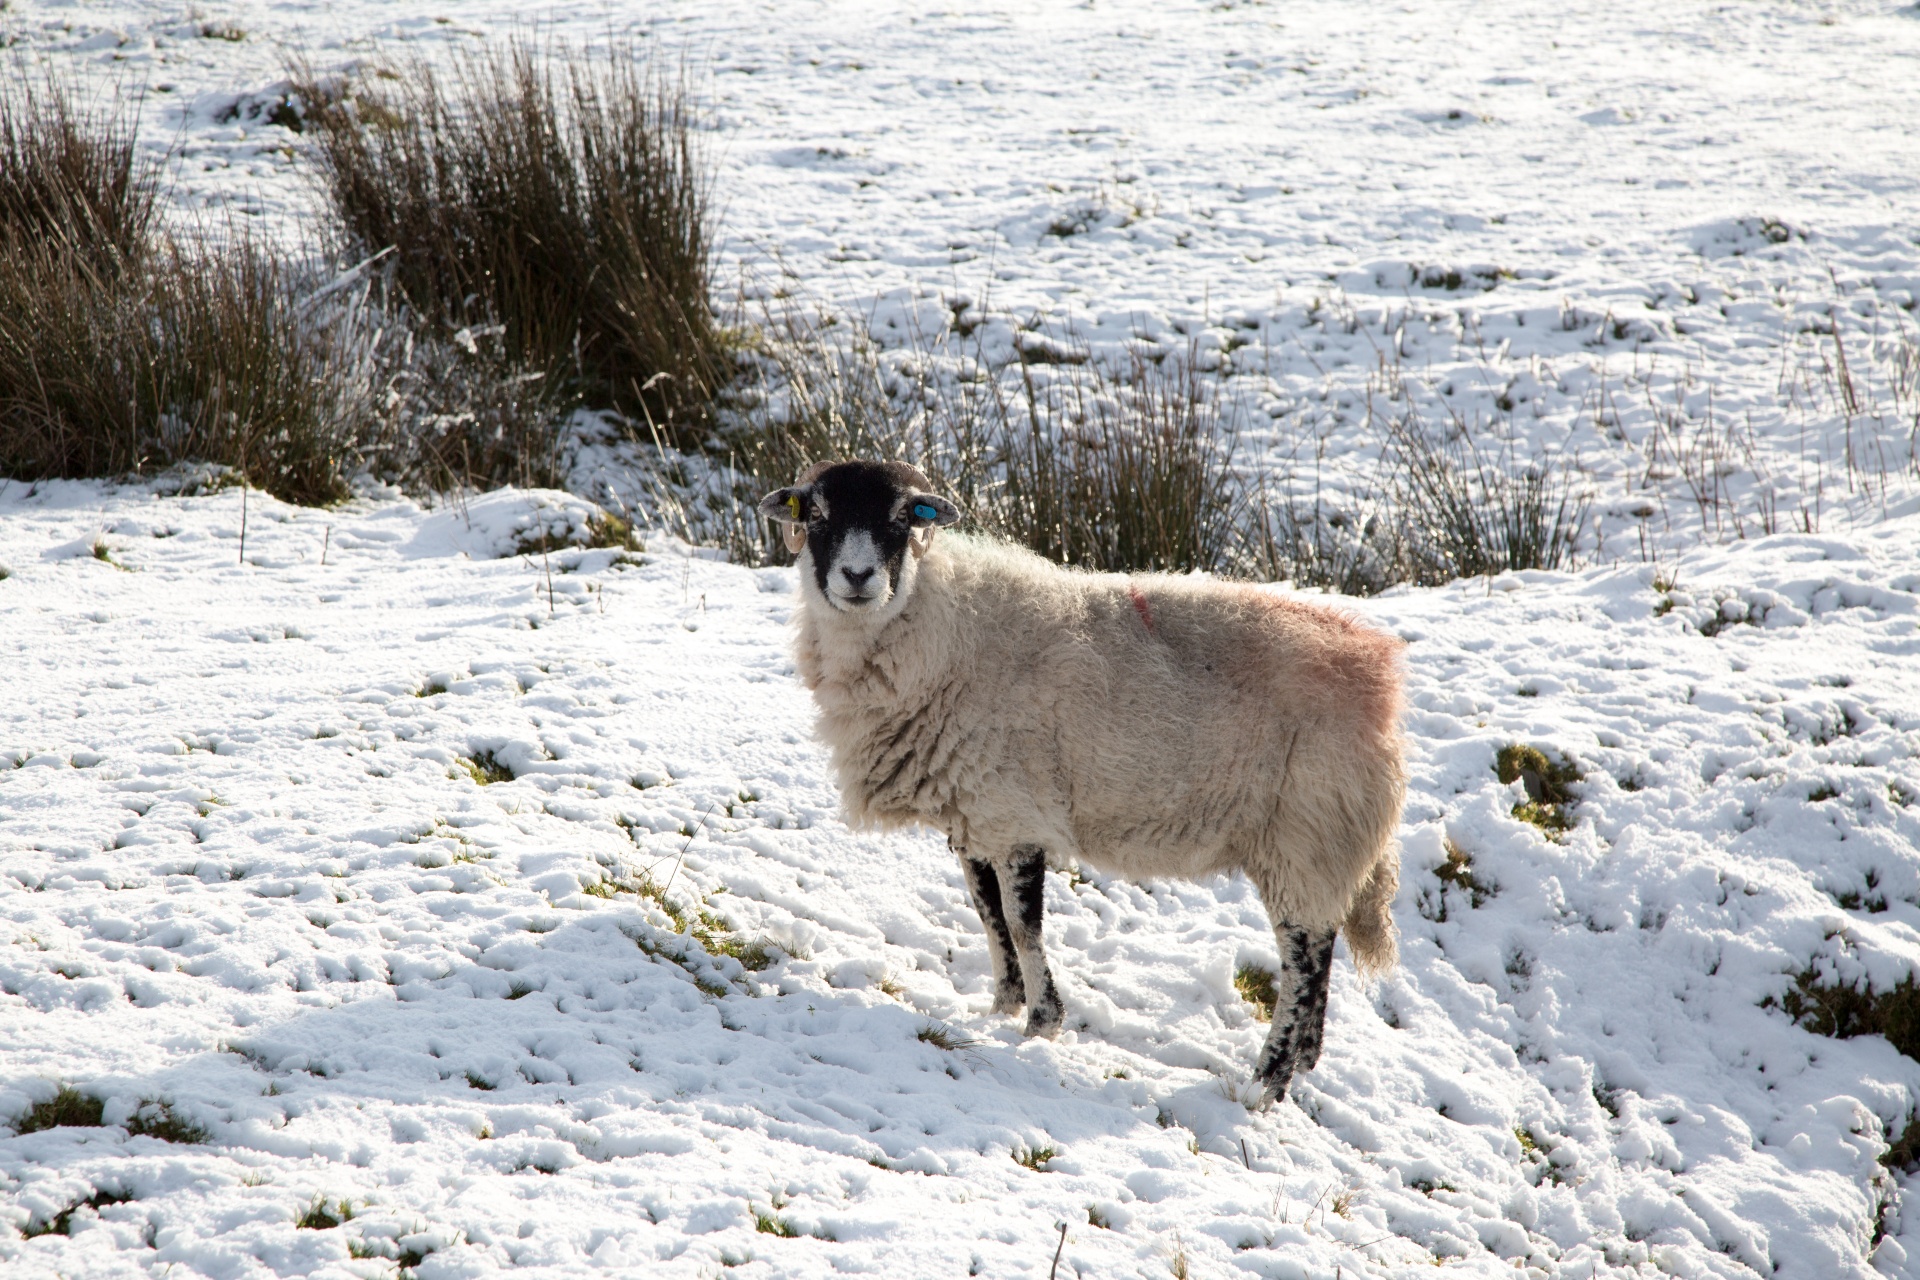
(1299, 1008)
(1023, 895)
(983, 882)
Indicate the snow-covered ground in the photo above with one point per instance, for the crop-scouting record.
(244, 872)
(249, 868)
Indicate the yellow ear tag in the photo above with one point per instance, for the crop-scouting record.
(793, 504)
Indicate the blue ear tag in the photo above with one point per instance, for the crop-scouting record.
(925, 512)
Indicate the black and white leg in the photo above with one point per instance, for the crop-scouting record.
(1313, 1025)
(983, 882)
(1299, 1007)
(1023, 894)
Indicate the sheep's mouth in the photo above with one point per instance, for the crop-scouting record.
(852, 602)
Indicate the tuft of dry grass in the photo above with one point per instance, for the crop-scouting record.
(1127, 465)
(1831, 1008)
(945, 1037)
(1255, 986)
(559, 195)
(160, 1120)
(1121, 468)
(67, 1108)
(126, 350)
(1549, 800)
(1468, 515)
(1111, 466)
(73, 175)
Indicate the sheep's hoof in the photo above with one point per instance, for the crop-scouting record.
(1044, 1021)
(1274, 1074)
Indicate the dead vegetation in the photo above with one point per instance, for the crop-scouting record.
(556, 197)
(1549, 801)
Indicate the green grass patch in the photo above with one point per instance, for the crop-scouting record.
(754, 954)
(1456, 873)
(1255, 986)
(607, 530)
(69, 1108)
(160, 1120)
(767, 1224)
(1034, 1158)
(706, 930)
(1842, 1011)
(486, 768)
(61, 1223)
(321, 1216)
(1548, 784)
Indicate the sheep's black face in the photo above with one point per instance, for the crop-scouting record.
(859, 521)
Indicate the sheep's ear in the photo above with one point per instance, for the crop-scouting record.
(930, 509)
(786, 506)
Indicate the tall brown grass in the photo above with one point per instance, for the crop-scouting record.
(125, 348)
(73, 174)
(561, 196)
(1107, 466)
(1130, 466)
(122, 348)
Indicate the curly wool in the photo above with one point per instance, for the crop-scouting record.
(1147, 725)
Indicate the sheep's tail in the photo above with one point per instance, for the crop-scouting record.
(1369, 925)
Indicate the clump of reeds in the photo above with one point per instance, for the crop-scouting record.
(1130, 466)
(558, 198)
(122, 348)
(73, 175)
(125, 348)
(1111, 467)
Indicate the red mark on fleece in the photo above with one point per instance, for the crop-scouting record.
(1141, 607)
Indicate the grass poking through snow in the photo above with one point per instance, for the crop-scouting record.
(1255, 986)
(1548, 784)
(68, 1108)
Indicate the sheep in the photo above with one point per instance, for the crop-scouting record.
(1145, 725)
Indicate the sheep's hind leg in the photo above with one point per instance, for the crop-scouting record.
(1023, 894)
(1299, 1008)
(983, 882)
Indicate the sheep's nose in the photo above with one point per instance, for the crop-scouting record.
(857, 578)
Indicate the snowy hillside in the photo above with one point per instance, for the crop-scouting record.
(401, 898)
(335, 862)
(1621, 233)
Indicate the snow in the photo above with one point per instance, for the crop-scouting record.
(247, 874)
(249, 867)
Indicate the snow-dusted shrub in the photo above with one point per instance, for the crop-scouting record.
(1120, 466)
